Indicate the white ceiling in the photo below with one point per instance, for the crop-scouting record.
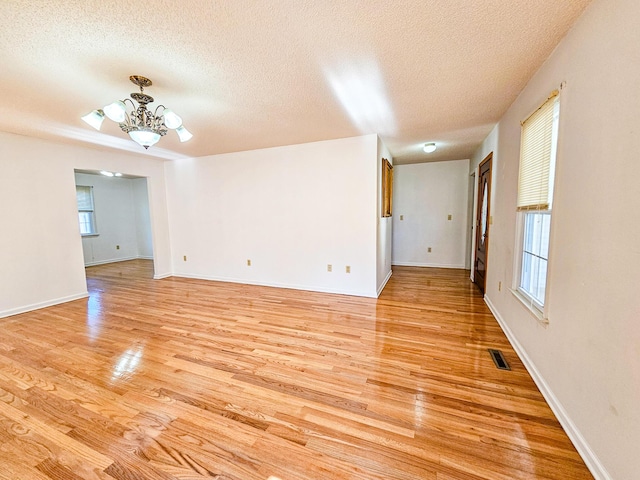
(248, 74)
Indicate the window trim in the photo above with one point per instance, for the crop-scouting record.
(540, 315)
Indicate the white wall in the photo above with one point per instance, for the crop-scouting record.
(290, 210)
(424, 195)
(488, 145)
(143, 217)
(40, 246)
(122, 219)
(587, 360)
(384, 227)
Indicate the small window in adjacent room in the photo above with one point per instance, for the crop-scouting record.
(86, 214)
(535, 195)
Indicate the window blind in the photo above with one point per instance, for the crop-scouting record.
(84, 197)
(537, 152)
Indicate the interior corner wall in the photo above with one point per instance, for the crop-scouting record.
(424, 195)
(587, 360)
(291, 211)
(40, 245)
(384, 226)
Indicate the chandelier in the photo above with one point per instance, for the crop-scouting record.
(143, 126)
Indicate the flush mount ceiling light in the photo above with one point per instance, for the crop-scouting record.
(429, 147)
(143, 126)
(110, 174)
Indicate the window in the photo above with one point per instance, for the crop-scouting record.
(86, 214)
(535, 197)
(535, 255)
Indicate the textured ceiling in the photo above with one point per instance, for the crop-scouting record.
(248, 74)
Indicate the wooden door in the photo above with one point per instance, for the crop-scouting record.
(483, 216)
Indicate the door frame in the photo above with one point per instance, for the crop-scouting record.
(473, 205)
(487, 159)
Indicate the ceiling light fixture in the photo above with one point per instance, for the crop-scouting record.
(110, 174)
(143, 126)
(429, 147)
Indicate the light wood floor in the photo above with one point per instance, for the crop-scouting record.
(188, 379)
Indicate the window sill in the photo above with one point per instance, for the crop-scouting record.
(83, 235)
(532, 309)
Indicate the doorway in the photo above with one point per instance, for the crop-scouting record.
(120, 226)
(483, 223)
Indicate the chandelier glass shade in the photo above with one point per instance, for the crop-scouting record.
(94, 118)
(144, 126)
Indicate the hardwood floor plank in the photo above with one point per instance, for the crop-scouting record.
(56, 471)
(54, 436)
(190, 379)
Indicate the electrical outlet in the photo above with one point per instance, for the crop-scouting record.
(348, 268)
(449, 217)
(329, 268)
(248, 263)
(184, 258)
(429, 250)
(401, 217)
(117, 247)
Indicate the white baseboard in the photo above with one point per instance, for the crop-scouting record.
(310, 288)
(588, 455)
(384, 283)
(37, 306)
(159, 276)
(116, 260)
(432, 265)
(112, 260)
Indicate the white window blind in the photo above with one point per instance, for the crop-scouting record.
(84, 196)
(537, 156)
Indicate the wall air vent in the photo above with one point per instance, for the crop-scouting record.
(499, 360)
